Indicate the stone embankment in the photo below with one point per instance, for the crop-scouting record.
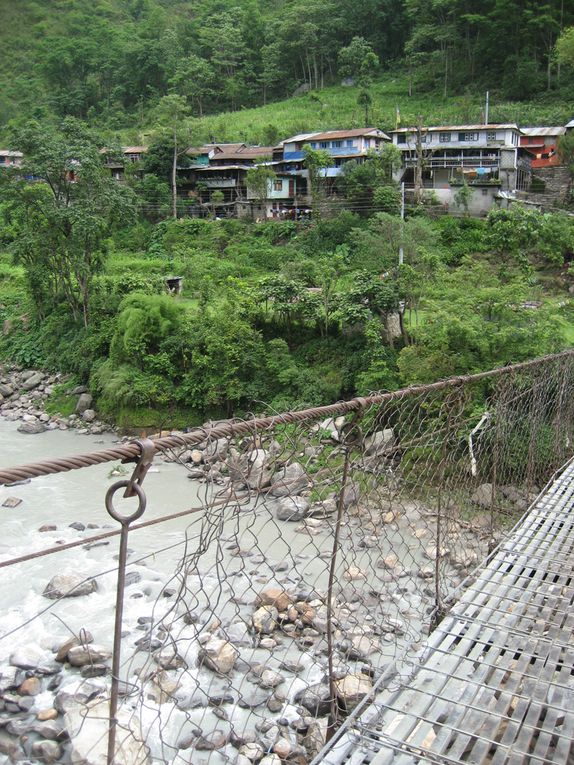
(23, 394)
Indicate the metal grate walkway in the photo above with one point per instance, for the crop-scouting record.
(495, 682)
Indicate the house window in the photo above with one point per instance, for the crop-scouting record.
(350, 143)
(468, 136)
(324, 144)
(444, 137)
(277, 185)
(313, 144)
(491, 135)
(367, 143)
(402, 138)
(336, 144)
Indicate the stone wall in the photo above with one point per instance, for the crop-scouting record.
(558, 184)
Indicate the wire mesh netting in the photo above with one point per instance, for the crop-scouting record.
(317, 555)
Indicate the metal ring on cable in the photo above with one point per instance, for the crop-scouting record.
(138, 512)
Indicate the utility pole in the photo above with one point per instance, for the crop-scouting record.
(401, 252)
(487, 107)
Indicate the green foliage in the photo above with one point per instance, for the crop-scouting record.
(144, 321)
(61, 222)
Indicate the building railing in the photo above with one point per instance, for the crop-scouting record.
(322, 545)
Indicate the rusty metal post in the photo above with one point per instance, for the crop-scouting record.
(132, 488)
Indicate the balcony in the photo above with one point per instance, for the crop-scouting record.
(455, 161)
(220, 183)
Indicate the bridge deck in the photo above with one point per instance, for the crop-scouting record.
(495, 682)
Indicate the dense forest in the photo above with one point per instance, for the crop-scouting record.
(111, 61)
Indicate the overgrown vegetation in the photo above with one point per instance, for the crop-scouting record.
(283, 315)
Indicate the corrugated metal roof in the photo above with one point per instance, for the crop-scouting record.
(436, 128)
(330, 134)
(570, 124)
(249, 152)
(542, 131)
(8, 153)
(134, 149)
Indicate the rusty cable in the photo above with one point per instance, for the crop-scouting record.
(131, 451)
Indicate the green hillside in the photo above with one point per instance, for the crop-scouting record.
(336, 107)
(110, 62)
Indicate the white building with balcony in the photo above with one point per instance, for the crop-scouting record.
(486, 157)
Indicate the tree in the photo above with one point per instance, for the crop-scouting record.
(171, 111)
(62, 221)
(258, 179)
(565, 47)
(358, 61)
(463, 196)
(194, 79)
(316, 161)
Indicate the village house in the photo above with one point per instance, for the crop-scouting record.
(128, 155)
(218, 167)
(486, 157)
(289, 193)
(10, 158)
(540, 145)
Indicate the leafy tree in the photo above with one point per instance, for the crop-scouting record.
(258, 178)
(171, 111)
(565, 47)
(316, 161)
(63, 220)
(194, 79)
(463, 196)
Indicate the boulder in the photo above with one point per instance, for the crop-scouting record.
(264, 620)
(33, 381)
(84, 402)
(274, 595)
(79, 655)
(292, 509)
(6, 390)
(351, 689)
(216, 450)
(378, 441)
(69, 586)
(315, 698)
(482, 497)
(47, 751)
(89, 415)
(289, 481)
(218, 655)
(31, 428)
(88, 725)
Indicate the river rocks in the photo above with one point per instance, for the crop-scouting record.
(378, 442)
(289, 481)
(292, 509)
(80, 655)
(29, 657)
(274, 595)
(69, 586)
(31, 686)
(351, 689)
(315, 698)
(88, 728)
(264, 620)
(84, 403)
(89, 415)
(31, 379)
(11, 502)
(218, 655)
(31, 428)
(47, 751)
